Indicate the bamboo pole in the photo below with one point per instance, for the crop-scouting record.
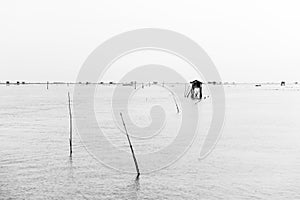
(177, 107)
(188, 94)
(130, 145)
(70, 114)
(47, 85)
(176, 104)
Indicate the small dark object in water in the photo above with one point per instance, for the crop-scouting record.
(257, 85)
(18, 83)
(126, 84)
(7, 82)
(199, 100)
(282, 83)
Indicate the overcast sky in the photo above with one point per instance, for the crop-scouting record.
(257, 40)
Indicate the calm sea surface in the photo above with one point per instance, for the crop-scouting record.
(257, 157)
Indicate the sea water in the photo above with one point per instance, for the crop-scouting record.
(257, 156)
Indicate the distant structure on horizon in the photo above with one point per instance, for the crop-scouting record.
(196, 90)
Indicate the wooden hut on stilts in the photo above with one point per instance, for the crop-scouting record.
(196, 89)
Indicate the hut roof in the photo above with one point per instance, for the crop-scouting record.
(195, 81)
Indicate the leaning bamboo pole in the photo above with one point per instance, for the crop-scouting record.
(70, 114)
(130, 145)
(175, 103)
(189, 92)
